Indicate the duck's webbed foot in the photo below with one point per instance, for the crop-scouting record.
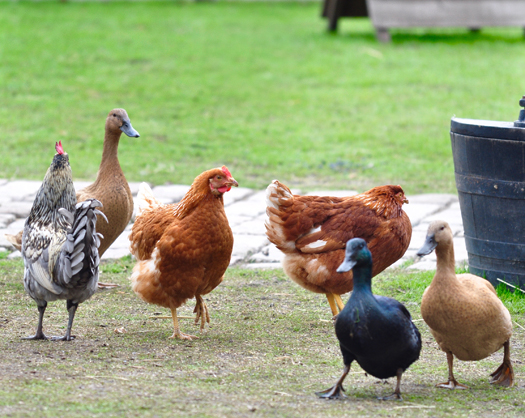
(396, 396)
(504, 374)
(336, 391)
(451, 384)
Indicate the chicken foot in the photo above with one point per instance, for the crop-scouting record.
(202, 312)
(336, 391)
(71, 308)
(336, 303)
(452, 382)
(504, 374)
(39, 331)
(176, 330)
(397, 392)
(339, 302)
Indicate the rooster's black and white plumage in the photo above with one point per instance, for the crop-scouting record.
(60, 244)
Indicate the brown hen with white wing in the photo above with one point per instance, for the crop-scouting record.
(312, 232)
(183, 249)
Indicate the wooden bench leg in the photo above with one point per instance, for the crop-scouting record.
(383, 35)
(333, 14)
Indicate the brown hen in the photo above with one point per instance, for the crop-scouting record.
(312, 232)
(183, 249)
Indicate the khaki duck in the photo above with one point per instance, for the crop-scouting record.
(464, 314)
(111, 187)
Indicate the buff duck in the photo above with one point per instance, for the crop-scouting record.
(464, 314)
(111, 187)
(376, 331)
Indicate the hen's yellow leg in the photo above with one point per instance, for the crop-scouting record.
(339, 302)
(176, 330)
(331, 301)
(202, 311)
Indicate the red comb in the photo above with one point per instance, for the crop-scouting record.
(58, 147)
(226, 171)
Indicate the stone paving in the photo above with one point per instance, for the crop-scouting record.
(246, 211)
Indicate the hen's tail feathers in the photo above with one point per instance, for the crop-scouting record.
(277, 195)
(78, 261)
(278, 199)
(146, 200)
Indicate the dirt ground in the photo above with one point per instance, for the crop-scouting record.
(270, 345)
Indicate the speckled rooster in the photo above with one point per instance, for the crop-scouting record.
(60, 244)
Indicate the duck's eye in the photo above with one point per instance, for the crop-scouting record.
(114, 115)
(442, 228)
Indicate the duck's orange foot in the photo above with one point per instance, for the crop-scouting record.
(504, 375)
(451, 384)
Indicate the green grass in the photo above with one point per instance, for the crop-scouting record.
(261, 87)
(270, 345)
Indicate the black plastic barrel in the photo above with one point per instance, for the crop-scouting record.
(489, 165)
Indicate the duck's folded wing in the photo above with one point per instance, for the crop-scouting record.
(393, 304)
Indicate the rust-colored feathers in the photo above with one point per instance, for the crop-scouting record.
(312, 232)
(182, 249)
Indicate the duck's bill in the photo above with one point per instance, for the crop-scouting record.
(429, 246)
(346, 265)
(129, 130)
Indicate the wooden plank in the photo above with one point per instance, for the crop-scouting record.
(462, 13)
(348, 8)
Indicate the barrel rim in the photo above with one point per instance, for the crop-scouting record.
(487, 129)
